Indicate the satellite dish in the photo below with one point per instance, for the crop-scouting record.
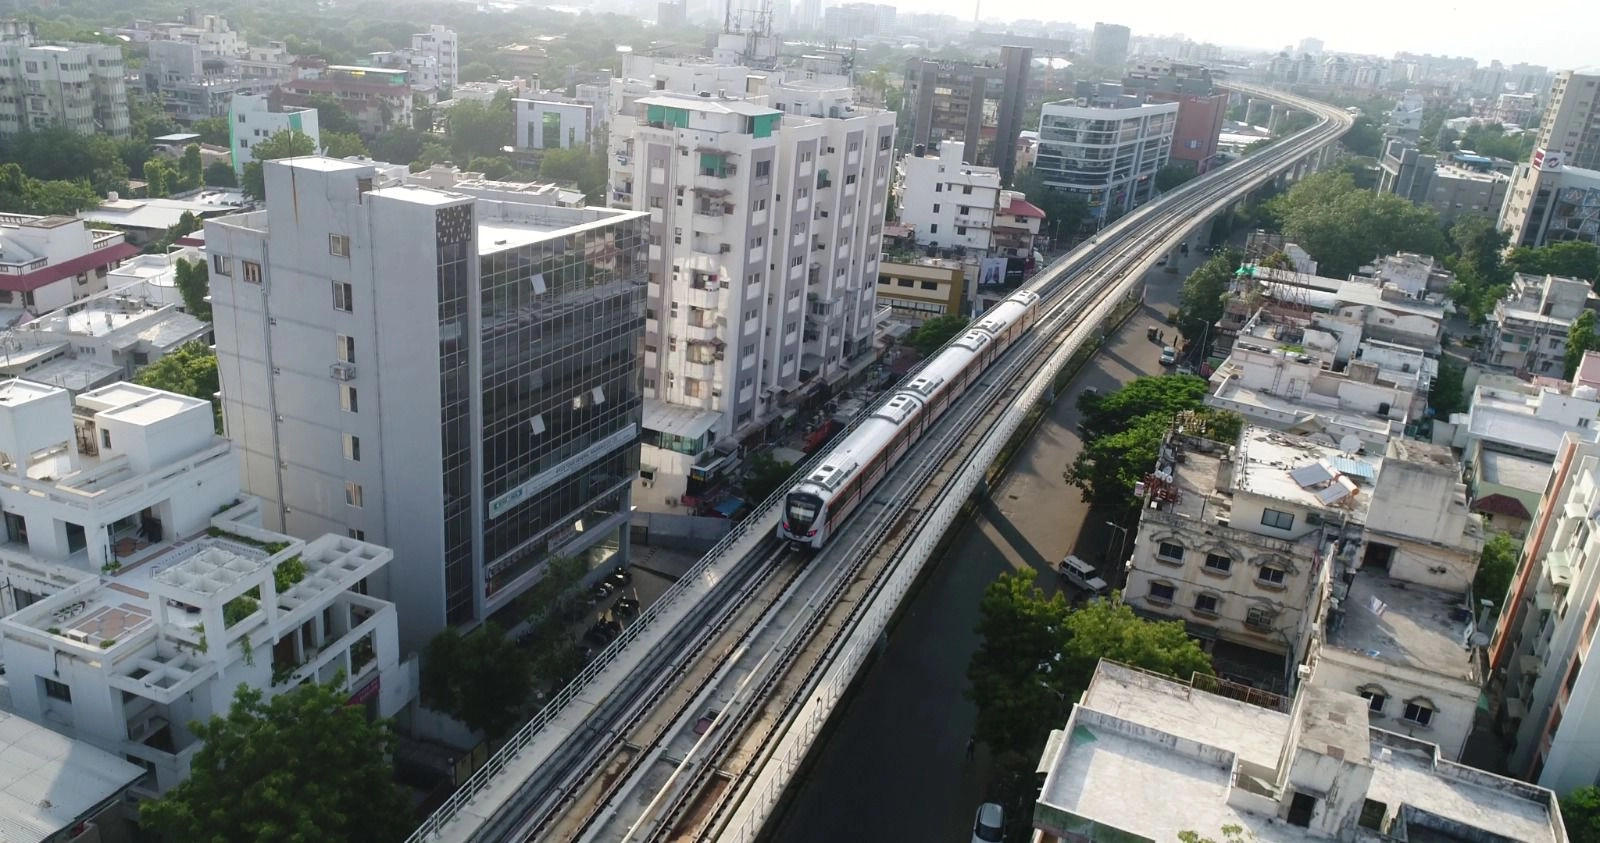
(1350, 444)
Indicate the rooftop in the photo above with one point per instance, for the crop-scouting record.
(715, 105)
(1299, 471)
(1364, 293)
(1517, 472)
(1513, 423)
(677, 420)
(161, 213)
(1406, 624)
(49, 781)
(1152, 756)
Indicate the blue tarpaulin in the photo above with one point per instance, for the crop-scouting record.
(729, 506)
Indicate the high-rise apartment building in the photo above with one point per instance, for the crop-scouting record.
(75, 86)
(1571, 123)
(1201, 109)
(1108, 47)
(766, 202)
(959, 101)
(439, 44)
(455, 377)
(1106, 149)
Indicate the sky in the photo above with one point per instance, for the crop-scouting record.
(1562, 35)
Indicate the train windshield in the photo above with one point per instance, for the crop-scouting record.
(803, 509)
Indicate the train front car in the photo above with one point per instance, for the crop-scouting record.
(805, 520)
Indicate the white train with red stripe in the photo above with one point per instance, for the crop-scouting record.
(848, 471)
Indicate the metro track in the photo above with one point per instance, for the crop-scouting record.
(677, 753)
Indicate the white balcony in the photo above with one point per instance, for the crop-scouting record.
(705, 298)
(703, 333)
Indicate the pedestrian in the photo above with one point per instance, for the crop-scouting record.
(972, 747)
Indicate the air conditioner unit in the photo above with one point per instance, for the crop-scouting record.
(342, 371)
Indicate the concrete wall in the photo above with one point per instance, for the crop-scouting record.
(1455, 701)
(679, 532)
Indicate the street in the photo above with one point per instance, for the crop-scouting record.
(895, 766)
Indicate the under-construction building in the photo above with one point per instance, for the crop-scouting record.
(980, 105)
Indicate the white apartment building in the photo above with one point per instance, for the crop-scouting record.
(454, 377)
(1288, 386)
(1543, 693)
(252, 119)
(1418, 276)
(127, 662)
(439, 44)
(194, 67)
(1527, 420)
(766, 226)
(76, 86)
(1145, 757)
(1528, 330)
(950, 204)
(50, 262)
(1569, 125)
(1235, 545)
(549, 124)
(1108, 154)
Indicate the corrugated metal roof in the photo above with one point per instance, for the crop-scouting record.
(48, 781)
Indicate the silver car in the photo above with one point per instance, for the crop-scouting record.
(989, 826)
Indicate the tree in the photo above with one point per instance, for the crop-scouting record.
(935, 332)
(158, 178)
(1497, 564)
(220, 174)
(1481, 275)
(400, 145)
(194, 284)
(189, 370)
(303, 766)
(482, 678)
(1123, 430)
(1580, 812)
(1445, 395)
(1581, 337)
(1201, 303)
(1174, 174)
(191, 171)
(1231, 833)
(1569, 258)
(213, 131)
(331, 116)
(344, 145)
(1037, 655)
(581, 167)
(285, 144)
(766, 475)
(1363, 138)
(1344, 226)
(477, 128)
(1065, 213)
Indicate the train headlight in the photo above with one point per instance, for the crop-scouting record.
(811, 533)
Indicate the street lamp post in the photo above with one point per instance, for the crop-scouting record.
(1122, 536)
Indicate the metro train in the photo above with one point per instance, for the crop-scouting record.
(849, 470)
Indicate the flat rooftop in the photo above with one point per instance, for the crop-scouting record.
(49, 781)
(1406, 624)
(1285, 467)
(1361, 292)
(1374, 428)
(1513, 423)
(1516, 472)
(1128, 763)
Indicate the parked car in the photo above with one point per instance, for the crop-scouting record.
(1083, 575)
(989, 825)
(1169, 356)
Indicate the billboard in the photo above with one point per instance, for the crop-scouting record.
(992, 272)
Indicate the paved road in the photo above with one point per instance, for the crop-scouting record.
(894, 767)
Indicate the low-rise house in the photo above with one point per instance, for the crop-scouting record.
(1528, 329)
(47, 262)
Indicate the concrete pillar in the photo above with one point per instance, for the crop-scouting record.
(1275, 118)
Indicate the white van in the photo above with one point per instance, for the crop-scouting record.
(1082, 575)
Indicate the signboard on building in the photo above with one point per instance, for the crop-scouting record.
(1547, 160)
(992, 272)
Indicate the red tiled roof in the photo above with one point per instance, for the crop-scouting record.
(30, 281)
(1502, 505)
(1023, 208)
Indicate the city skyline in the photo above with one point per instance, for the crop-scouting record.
(1414, 29)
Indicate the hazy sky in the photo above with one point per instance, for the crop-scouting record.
(1557, 33)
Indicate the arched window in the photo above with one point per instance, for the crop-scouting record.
(1419, 711)
(1375, 697)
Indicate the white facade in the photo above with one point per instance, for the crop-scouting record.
(451, 376)
(547, 124)
(1109, 156)
(1550, 202)
(127, 662)
(1543, 693)
(50, 262)
(1525, 420)
(766, 226)
(439, 44)
(76, 86)
(1147, 757)
(1528, 329)
(251, 120)
(951, 204)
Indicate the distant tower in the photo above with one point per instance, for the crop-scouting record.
(977, 9)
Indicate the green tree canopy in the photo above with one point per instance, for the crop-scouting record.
(1201, 303)
(58, 154)
(160, 178)
(191, 171)
(1581, 337)
(1580, 812)
(1569, 258)
(1481, 275)
(304, 766)
(1363, 138)
(1345, 227)
(1065, 213)
(23, 194)
(1122, 434)
(478, 128)
(332, 117)
(220, 174)
(482, 678)
(1037, 655)
(581, 167)
(212, 130)
(400, 145)
(189, 370)
(1174, 174)
(1497, 564)
(194, 284)
(343, 145)
(1445, 395)
(934, 333)
(765, 475)
(285, 144)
